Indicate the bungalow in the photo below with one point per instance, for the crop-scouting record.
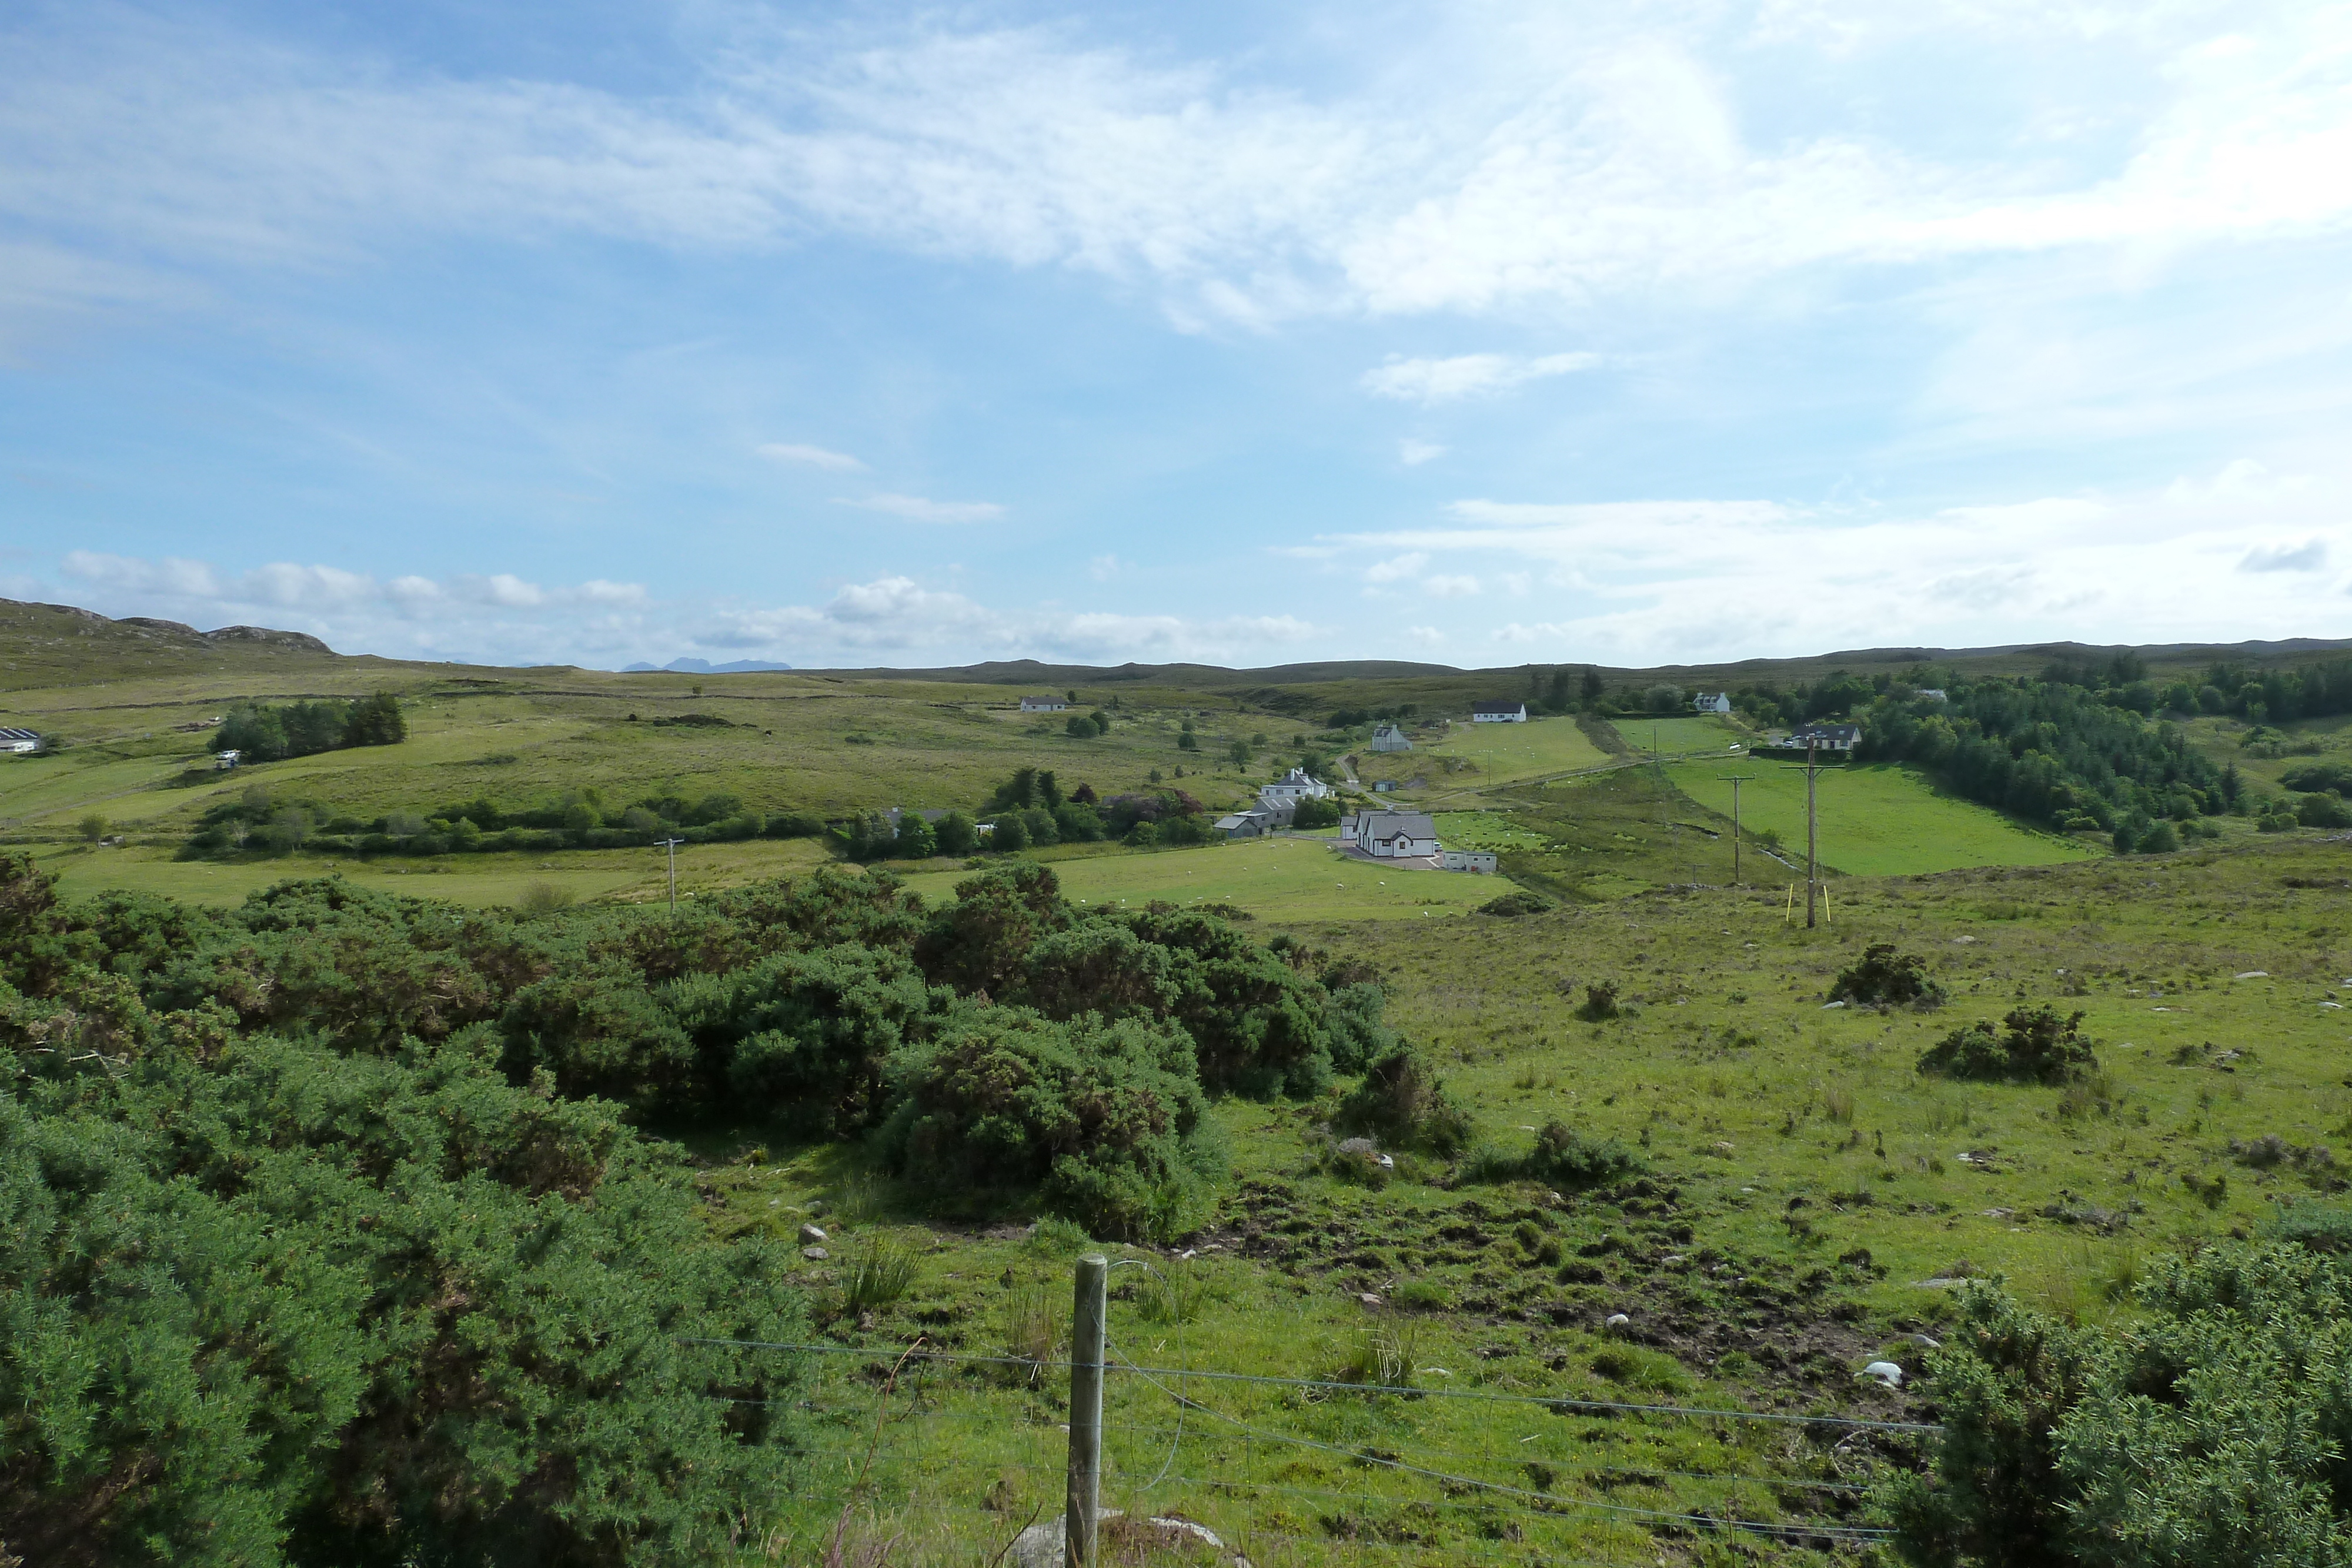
(1824, 736)
(1247, 824)
(1396, 835)
(1292, 787)
(1389, 738)
(1043, 704)
(1479, 861)
(1712, 701)
(17, 742)
(1499, 713)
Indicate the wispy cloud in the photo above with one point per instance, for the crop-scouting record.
(809, 457)
(921, 509)
(2309, 555)
(1412, 453)
(1397, 569)
(1466, 376)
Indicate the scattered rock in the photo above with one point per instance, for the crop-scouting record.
(1885, 1371)
(2252, 975)
(1828, 1006)
(812, 1235)
(1616, 1321)
(1923, 1342)
(1962, 941)
(816, 1207)
(1998, 1213)
(816, 1254)
(1940, 1282)
(1370, 1299)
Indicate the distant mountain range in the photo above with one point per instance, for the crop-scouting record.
(705, 667)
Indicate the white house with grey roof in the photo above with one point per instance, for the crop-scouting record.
(1499, 713)
(1043, 704)
(1391, 835)
(1285, 793)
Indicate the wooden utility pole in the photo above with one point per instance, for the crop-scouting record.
(1085, 1411)
(1813, 831)
(671, 845)
(1737, 780)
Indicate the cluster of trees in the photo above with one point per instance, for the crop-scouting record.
(2273, 696)
(264, 821)
(2056, 753)
(1029, 810)
(261, 733)
(1086, 726)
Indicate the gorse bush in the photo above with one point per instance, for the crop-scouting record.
(2207, 1434)
(1403, 1104)
(1885, 978)
(2034, 1045)
(325, 1238)
(1563, 1156)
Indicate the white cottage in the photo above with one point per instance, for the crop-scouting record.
(1499, 713)
(1396, 835)
(1043, 704)
(1291, 789)
(1712, 701)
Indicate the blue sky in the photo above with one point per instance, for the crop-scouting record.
(1485, 334)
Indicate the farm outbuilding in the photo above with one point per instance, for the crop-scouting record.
(1389, 738)
(1479, 861)
(19, 741)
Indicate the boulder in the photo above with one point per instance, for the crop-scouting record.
(812, 1236)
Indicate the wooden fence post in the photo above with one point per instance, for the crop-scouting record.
(1085, 1409)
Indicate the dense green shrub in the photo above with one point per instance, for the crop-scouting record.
(265, 733)
(1403, 1104)
(1563, 1156)
(1510, 905)
(1105, 1121)
(2035, 1045)
(283, 1305)
(1885, 978)
(2208, 1432)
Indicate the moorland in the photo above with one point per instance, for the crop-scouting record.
(376, 1197)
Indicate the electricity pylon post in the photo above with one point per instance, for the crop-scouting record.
(1813, 766)
(671, 845)
(1737, 780)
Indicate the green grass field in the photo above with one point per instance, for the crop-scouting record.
(1273, 878)
(1501, 753)
(1880, 819)
(1806, 1205)
(634, 875)
(1677, 736)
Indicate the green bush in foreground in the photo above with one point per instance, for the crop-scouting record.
(274, 1304)
(1405, 1105)
(1884, 979)
(2035, 1045)
(1563, 1156)
(2209, 1433)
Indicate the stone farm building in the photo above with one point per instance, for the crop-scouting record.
(1391, 835)
(1389, 738)
(1043, 704)
(1499, 713)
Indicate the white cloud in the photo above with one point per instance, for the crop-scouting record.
(1453, 587)
(1425, 636)
(918, 509)
(2311, 555)
(1412, 453)
(809, 457)
(1466, 376)
(1103, 568)
(1397, 569)
(1538, 162)
(2241, 480)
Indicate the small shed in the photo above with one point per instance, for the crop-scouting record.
(1479, 861)
(1247, 824)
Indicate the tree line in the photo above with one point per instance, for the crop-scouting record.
(272, 821)
(263, 733)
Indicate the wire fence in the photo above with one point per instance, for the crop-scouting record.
(917, 1453)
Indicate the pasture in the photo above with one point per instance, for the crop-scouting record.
(1877, 820)
(1689, 735)
(1496, 753)
(1273, 878)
